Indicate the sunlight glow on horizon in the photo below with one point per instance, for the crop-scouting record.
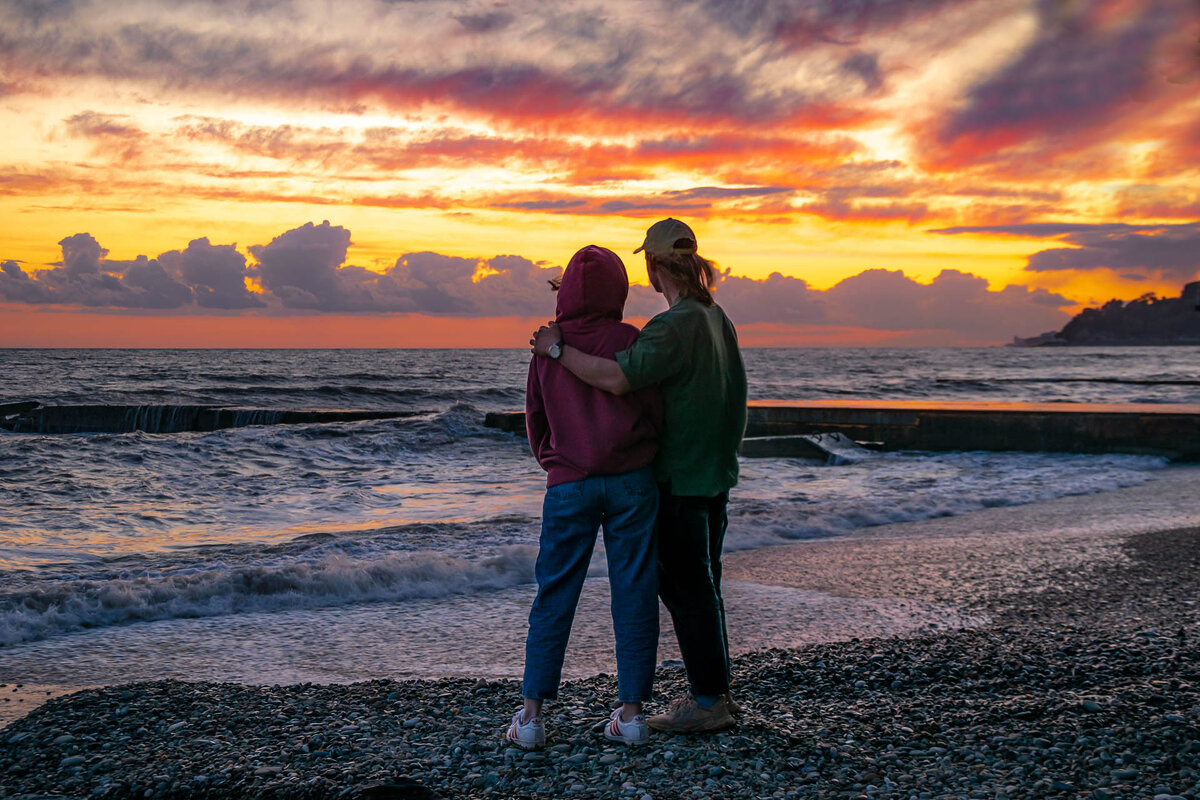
(819, 144)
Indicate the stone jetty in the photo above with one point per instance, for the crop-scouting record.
(786, 429)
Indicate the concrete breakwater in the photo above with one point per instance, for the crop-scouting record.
(30, 417)
(786, 429)
(775, 428)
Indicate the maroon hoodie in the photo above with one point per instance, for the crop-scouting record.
(575, 430)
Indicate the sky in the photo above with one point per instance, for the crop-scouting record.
(405, 173)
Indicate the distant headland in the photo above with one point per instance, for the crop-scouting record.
(1148, 320)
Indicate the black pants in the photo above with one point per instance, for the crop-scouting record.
(691, 533)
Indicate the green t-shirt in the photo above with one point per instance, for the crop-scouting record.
(691, 352)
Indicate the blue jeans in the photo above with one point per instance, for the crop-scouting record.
(626, 506)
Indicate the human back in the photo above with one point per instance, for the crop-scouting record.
(596, 449)
(574, 429)
(691, 352)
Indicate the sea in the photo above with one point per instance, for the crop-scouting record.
(404, 547)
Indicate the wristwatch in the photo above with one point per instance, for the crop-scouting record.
(554, 350)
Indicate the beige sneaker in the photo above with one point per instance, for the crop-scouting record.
(734, 707)
(685, 715)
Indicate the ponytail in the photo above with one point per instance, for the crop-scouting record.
(695, 276)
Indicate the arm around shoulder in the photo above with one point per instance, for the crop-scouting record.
(602, 373)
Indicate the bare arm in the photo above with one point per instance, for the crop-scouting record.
(603, 373)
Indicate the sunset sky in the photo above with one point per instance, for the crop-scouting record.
(384, 173)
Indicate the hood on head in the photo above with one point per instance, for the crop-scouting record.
(594, 285)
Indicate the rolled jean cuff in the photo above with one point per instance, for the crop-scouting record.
(536, 695)
(636, 697)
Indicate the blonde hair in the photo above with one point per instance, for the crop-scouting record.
(694, 275)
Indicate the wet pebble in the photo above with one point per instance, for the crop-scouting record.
(1063, 694)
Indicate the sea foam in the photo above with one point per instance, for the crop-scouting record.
(43, 608)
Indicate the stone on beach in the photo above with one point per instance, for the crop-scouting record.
(995, 711)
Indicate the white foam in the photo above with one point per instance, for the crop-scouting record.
(780, 500)
(476, 636)
(43, 608)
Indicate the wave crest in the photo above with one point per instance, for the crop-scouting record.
(46, 608)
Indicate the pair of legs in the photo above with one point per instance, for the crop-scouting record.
(691, 534)
(625, 506)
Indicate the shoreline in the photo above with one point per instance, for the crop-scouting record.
(1082, 683)
(895, 579)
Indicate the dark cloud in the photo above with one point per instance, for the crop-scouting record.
(803, 25)
(17, 287)
(959, 304)
(488, 22)
(216, 273)
(778, 298)
(545, 205)
(954, 301)
(431, 282)
(152, 287)
(85, 277)
(81, 255)
(612, 82)
(1164, 250)
(36, 12)
(1169, 250)
(695, 201)
(865, 66)
(95, 124)
(1088, 65)
(292, 143)
(649, 206)
(304, 268)
(506, 285)
(301, 268)
(725, 192)
(1037, 229)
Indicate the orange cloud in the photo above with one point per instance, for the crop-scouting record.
(59, 327)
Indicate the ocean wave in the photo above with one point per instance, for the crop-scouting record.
(44, 608)
(790, 500)
(983, 382)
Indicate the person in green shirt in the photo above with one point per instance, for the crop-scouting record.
(691, 352)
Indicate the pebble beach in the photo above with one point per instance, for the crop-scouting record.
(1076, 678)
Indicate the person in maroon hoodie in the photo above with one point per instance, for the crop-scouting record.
(597, 450)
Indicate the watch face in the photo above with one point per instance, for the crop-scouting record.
(555, 350)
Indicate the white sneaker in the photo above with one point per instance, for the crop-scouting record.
(634, 732)
(529, 735)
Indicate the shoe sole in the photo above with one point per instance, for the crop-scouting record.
(529, 748)
(626, 742)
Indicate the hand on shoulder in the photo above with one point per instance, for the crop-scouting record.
(543, 337)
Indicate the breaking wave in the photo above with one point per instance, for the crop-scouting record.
(44, 608)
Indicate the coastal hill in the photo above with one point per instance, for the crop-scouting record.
(1148, 320)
